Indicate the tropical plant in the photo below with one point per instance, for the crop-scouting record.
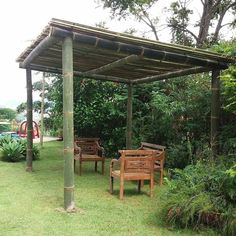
(5, 139)
(12, 152)
(35, 149)
(202, 194)
(15, 150)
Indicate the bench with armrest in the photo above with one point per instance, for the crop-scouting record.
(133, 165)
(88, 150)
(159, 159)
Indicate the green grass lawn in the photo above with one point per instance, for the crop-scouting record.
(30, 203)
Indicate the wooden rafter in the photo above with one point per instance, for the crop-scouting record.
(114, 64)
(170, 75)
(80, 74)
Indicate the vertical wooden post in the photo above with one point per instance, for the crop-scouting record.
(29, 153)
(215, 111)
(42, 111)
(68, 124)
(129, 118)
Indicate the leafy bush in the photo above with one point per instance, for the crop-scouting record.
(36, 152)
(177, 156)
(5, 139)
(12, 152)
(4, 127)
(35, 149)
(202, 194)
(15, 150)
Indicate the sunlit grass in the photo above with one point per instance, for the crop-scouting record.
(29, 202)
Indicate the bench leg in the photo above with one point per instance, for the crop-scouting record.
(161, 177)
(139, 185)
(103, 167)
(121, 189)
(96, 166)
(151, 186)
(142, 183)
(75, 166)
(111, 184)
(80, 168)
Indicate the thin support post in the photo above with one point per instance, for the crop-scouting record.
(215, 111)
(129, 118)
(29, 153)
(68, 125)
(42, 111)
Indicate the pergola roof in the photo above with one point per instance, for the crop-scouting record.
(107, 55)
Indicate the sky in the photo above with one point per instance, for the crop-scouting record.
(21, 21)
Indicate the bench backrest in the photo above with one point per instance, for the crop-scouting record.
(88, 145)
(137, 161)
(160, 158)
(151, 146)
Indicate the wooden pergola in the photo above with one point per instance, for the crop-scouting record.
(73, 49)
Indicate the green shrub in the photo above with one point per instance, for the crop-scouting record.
(5, 139)
(202, 194)
(12, 152)
(36, 152)
(15, 150)
(177, 156)
(23, 143)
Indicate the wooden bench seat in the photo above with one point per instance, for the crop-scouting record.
(88, 150)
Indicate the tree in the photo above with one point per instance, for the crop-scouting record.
(179, 21)
(41, 86)
(211, 19)
(7, 114)
(138, 8)
(214, 11)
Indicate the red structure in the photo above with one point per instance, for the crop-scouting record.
(23, 130)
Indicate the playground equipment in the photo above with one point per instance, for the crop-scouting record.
(24, 127)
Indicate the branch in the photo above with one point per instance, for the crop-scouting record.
(148, 22)
(219, 26)
(188, 31)
(225, 25)
(203, 3)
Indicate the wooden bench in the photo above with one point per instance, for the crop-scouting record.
(159, 159)
(133, 165)
(88, 150)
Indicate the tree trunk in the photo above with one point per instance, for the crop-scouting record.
(205, 23)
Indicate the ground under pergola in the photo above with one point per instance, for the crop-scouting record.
(73, 49)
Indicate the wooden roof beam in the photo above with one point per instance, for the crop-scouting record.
(43, 45)
(170, 75)
(114, 64)
(103, 77)
(79, 73)
(137, 50)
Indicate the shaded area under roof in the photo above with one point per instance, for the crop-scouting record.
(106, 55)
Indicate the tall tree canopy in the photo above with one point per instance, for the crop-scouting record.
(205, 30)
(7, 114)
